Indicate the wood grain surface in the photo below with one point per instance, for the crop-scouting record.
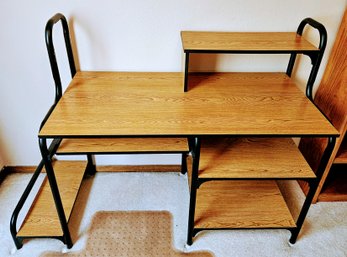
(154, 104)
(252, 158)
(42, 220)
(241, 204)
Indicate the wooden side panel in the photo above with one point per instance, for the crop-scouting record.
(331, 98)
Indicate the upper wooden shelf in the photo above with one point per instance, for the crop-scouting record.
(126, 104)
(238, 42)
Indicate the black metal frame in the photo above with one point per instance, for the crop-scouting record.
(316, 57)
(48, 152)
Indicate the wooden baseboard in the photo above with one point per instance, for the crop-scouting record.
(102, 168)
(3, 173)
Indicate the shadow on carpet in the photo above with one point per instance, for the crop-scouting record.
(130, 234)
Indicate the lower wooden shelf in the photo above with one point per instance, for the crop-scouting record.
(42, 219)
(241, 204)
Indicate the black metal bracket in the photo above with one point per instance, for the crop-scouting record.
(316, 56)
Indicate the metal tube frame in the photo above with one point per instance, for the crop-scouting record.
(316, 57)
(48, 153)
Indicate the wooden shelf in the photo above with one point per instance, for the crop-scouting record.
(222, 158)
(123, 145)
(241, 204)
(195, 41)
(341, 156)
(42, 219)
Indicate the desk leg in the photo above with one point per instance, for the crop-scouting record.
(91, 168)
(46, 157)
(193, 188)
(313, 187)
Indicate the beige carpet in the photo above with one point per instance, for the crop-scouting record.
(130, 234)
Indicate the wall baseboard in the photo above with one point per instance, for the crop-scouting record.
(6, 170)
(3, 173)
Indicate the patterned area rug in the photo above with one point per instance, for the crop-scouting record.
(130, 234)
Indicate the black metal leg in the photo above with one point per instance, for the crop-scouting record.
(313, 187)
(19, 206)
(184, 163)
(91, 168)
(186, 70)
(55, 191)
(193, 189)
(291, 64)
(18, 242)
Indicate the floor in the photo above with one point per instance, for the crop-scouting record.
(323, 234)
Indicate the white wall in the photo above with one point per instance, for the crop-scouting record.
(134, 35)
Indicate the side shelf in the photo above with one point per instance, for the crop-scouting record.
(42, 220)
